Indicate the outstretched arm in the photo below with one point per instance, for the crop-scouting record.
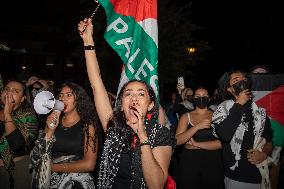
(101, 99)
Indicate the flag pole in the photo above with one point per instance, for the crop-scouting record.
(94, 12)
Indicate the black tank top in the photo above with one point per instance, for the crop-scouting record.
(201, 135)
(68, 140)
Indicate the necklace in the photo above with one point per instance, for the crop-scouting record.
(65, 128)
(69, 125)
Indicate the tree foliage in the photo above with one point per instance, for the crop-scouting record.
(176, 34)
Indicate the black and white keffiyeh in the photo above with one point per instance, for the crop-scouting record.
(43, 177)
(259, 117)
(158, 135)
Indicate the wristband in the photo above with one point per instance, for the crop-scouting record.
(10, 121)
(89, 47)
(64, 166)
(51, 125)
(146, 142)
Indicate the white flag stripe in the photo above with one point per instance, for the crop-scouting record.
(123, 79)
(259, 94)
(150, 26)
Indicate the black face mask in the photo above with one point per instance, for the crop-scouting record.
(241, 86)
(201, 102)
(189, 98)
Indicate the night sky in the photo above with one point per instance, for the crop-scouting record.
(241, 35)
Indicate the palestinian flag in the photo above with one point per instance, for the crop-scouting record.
(268, 91)
(132, 31)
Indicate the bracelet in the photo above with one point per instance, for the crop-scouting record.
(51, 125)
(89, 47)
(146, 142)
(8, 121)
(64, 166)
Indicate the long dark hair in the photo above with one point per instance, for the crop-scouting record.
(86, 110)
(224, 84)
(118, 121)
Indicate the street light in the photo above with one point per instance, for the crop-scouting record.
(191, 50)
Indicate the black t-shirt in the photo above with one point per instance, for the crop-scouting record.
(128, 161)
(123, 178)
(68, 141)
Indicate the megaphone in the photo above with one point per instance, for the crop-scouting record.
(45, 102)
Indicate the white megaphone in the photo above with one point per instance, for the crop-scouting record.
(45, 102)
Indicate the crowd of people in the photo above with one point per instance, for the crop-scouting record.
(221, 141)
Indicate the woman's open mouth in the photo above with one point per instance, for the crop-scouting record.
(65, 107)
(132, 111)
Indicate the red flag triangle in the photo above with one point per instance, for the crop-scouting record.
(273, 102)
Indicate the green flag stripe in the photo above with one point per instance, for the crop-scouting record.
(278, 133)
(121, 30)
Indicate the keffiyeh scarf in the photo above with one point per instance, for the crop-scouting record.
(113, 147)
(259, 117)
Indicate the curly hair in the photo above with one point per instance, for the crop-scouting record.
(224, 84)
(86, 110)
(118, 120)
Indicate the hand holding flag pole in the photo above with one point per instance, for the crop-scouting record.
(93, 14)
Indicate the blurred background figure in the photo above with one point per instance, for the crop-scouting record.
(181, 102)
(163, 119)
(186, 103)
(260, 69)
(36, 85)
(18, 131)
(214, 101)
(171, 112)
(265, 83)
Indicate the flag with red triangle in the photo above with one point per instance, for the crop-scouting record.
(132, 31)
(268, 91)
